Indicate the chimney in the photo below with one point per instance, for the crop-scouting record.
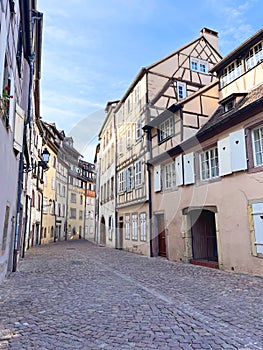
(211, 36)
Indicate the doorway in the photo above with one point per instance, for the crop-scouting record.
(102, 231)
(204, 242)
(161, 235)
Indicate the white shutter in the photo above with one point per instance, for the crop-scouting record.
(179, 180)
(19, 128)
(3, 40)
(224, 156)
(257, 212)
(189, 172)
(157, 178)
(238, 150)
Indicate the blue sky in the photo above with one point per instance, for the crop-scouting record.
(92, 50)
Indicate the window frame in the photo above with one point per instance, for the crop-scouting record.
(127, 227)
(168, 176)
(166, 130)
(134, 227)
(259, 127)
(143, 227)
(138, 173)
(196, 63)
(210, 166)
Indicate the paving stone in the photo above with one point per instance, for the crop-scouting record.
(76, 295)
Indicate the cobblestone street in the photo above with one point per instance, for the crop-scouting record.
(76, 295)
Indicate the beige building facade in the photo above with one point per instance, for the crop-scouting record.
(206, 199)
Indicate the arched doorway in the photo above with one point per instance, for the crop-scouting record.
(102, 231)
(204, 241)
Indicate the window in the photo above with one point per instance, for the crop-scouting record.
(137, 96)
(138, 129)
(110, 228)
(231, 72)
(45, 205)
(81, 199)
(33, 198)
(72, 213)
(257, 214)
(53, 183)
(166, 129)
(39, 202)
(127, 227)
(134, 226)
(129, 104)
(122, 181)
(129, 178)
(229, 105)
(112, 187)
(120, 145)
(52, 207)
(181, 90)
(198, 65)
(129, 137)
(54, 161)
(73, 198)
(257, 139)
(143, 227)
(138, 173)
(80, 215)
(209, 164)
(169, 176)
(255, 55)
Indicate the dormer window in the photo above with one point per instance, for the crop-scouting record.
(228, 105)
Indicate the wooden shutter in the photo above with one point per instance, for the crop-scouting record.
(257, 212)
(157, 178)
(224, 157)
(179, 180)
(238, 150)
(189, 172)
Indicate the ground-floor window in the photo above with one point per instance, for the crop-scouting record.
(257, 215)
(127, 227)
(143, 227)
(134, 226)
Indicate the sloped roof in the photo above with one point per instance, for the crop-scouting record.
(149, 67)
(248, 106)
(220, 115)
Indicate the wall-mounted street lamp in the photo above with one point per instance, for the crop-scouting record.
(42, 163)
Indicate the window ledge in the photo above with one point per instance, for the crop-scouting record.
(164, 140)
(256, 169)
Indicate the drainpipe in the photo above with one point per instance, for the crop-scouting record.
(149, 140)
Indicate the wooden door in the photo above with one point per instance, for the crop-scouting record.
(161, 235)
(204, 235)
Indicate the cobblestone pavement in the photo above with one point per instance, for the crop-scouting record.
(76, 295)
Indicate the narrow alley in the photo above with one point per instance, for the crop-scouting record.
(76, 295)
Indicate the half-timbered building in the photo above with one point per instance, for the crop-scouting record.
(157, 87)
